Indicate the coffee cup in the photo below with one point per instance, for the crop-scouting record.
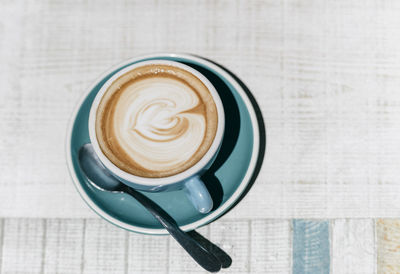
(157, 126)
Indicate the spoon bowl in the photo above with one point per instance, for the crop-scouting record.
(97, 174)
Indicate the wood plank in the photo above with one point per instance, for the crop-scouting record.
(148, 254)
(234, 237)
(23, 246)
(64, 242)
(1, 243)
(388, 245)
(104, 248)
(271, 246)
(353, 246)
(311, 246)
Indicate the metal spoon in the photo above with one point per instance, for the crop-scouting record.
(101, 178)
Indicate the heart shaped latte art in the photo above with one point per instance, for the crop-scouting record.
(160, 123)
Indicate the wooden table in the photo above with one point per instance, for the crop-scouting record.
(326, 75)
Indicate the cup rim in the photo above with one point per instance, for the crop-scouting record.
(168, 180)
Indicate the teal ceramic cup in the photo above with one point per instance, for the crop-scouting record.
(190, 179)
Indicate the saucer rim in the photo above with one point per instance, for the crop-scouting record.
(208, 218)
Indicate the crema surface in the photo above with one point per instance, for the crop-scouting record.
(156, 121)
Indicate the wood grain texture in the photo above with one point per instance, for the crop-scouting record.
(235, 238)
(324, 73)
(311, 247)
(1, 243)
(353, 246)
(271, 246)
(147, 254)
(63, 248)
(388, 245)
(94, 246)
(23, 246)
(104, 249)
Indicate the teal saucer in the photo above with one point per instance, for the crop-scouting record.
(226, 180)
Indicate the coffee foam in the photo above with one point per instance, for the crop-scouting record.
(156, 121)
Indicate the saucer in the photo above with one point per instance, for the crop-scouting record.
(227, 179)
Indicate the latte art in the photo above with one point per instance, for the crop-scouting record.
(156, 121)
(159, 121)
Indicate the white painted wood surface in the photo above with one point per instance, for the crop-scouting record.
(140, 246)
(63, 246)
(105, 249)
(353, 246)
(256, 246)
(325, 74)
(95, 246)
(239, 248)
(271, 246)
(23, 246)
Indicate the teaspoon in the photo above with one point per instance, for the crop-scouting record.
(102, 179)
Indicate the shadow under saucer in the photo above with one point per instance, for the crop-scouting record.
(231, 133)
(262, 132)
(226, 179)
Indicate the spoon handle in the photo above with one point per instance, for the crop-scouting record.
(204, 258)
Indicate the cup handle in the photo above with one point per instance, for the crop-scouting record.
(198, 194)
